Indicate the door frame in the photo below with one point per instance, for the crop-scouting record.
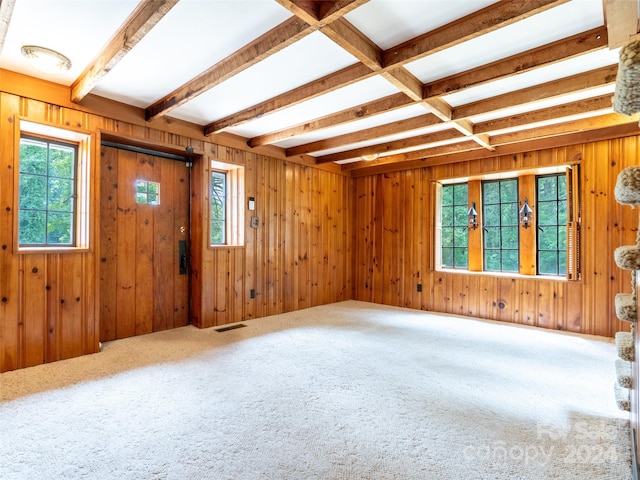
(184, 154)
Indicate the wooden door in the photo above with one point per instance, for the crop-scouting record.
(144, 235)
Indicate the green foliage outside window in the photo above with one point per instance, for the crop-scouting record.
(500, 224)
(147, 193)
(454, 234)
(551, 192)
(47, 200)
(218, 208)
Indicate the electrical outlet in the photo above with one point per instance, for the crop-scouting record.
(419, 287)
(254, 222)
(252, 293)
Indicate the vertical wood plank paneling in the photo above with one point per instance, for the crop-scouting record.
(528, 312)
(34, 314)
(330, 238)
(302, 253)
(378, 293)
(580, 306)
(9, 301)
(277, 167)
(52, 349)
(600, 237)
(250, 238)
(143, 232)
(162, 282)
(408, 276)
(108, 246)
(305, 234)
(72, 327)
(473, 284)
(198, 225)
(322, 237)
(126, 225)
(545, 305)
(262, 236)
(506, 306)
(289, 244)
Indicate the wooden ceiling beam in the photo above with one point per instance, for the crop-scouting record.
(380, 131)
(585, 124)
(276, 39)
(360, 46)
(6, 11)
(354, 42)
(484, 134)
(385, 104)
(563, 86)
(421, 158)
(587, 130)
(411, 50)
(333, 81)
(478, 23)
(465, 127)
(404, 81)
(380, 149)
(621, 18)
(549, 54)
(146, 15)
(320, 12)
(601, 104)
(577, 83)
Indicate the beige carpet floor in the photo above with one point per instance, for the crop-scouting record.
(344, 391)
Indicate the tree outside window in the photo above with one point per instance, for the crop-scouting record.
(500, 214)
(454, 238)
(47, 199)
(218, 207)
(551, 193)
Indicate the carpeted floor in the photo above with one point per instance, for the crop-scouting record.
(344, 391)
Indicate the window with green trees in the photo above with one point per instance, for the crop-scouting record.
(218, 207)
(500, 225)
(551, 196)
(454, 238)
(549, 244)
(47, 198)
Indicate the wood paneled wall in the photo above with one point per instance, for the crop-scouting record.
(298, 257)
(322, 237)
(394, 228)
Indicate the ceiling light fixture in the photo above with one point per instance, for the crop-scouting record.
(370, 157)
(45, 59)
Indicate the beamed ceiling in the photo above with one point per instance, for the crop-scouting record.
(405, 81)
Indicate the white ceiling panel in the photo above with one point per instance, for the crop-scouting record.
(573, 66)
(368, 122)
(192, 35)
(74, 28)
(284, 71)
(347, 97)
(391, 22)
(518, 37)
(161, 74)
(546, 103)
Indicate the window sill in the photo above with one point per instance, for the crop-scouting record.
(555, 278)
(49, 250)
(225, 247)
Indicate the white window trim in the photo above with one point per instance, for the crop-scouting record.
(85, 141)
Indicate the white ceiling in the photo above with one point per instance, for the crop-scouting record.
(196, 34)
